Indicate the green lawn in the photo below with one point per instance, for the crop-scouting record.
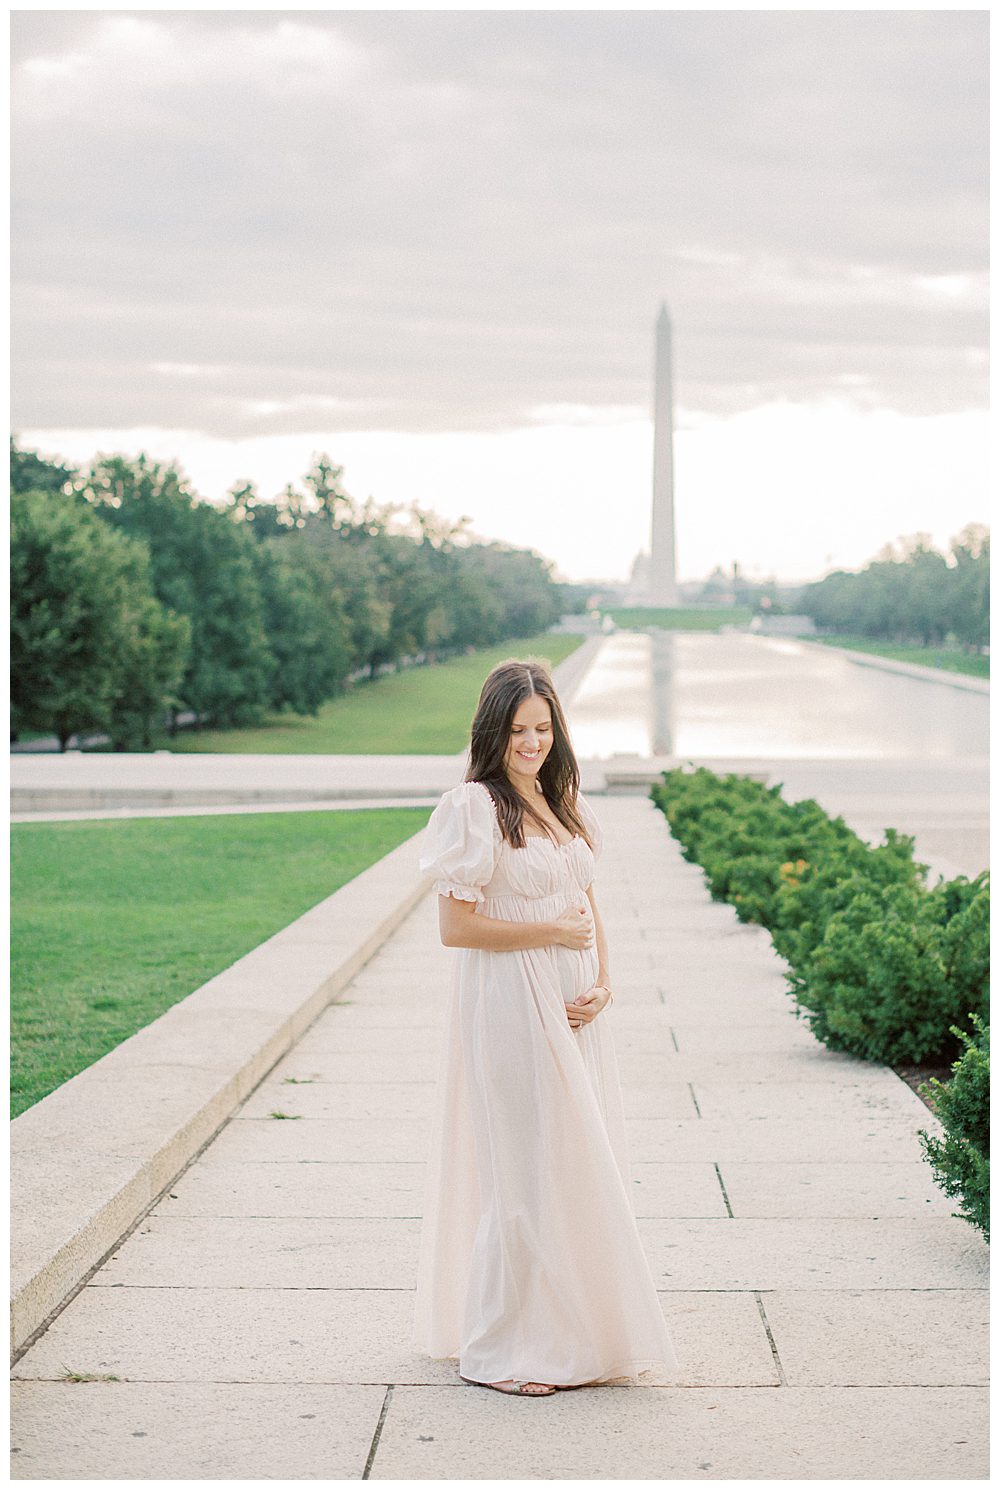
(112, 922)
(949, 658)
(419, 711)
(628, 617)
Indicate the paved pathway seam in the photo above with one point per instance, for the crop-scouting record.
(829, 1310)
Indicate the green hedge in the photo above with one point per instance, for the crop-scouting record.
(880, 965)
(961, 1160)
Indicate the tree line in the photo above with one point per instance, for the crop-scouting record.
(133, 601)
(913, 593)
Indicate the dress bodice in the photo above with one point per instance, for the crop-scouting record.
(465, 852)
(542, 868)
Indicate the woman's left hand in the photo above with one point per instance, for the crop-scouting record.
(586, 1006)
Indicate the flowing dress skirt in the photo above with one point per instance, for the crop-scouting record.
(530, 1262)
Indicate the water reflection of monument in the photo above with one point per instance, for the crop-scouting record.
(662, 669)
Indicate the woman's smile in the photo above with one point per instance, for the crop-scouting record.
(530, 743)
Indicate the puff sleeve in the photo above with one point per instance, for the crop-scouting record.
(590, 822)
(461, 842)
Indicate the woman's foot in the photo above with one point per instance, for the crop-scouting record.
(514, 1387)
(523, 1388)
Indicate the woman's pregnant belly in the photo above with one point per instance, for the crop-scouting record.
(571, 970)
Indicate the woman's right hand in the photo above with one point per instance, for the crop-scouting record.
(575, 928)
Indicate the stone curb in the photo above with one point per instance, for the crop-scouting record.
(91, 1158)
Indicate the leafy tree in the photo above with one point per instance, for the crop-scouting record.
(83, 620)
(913, 593)
(151, 667)
(356, 573)
(970, 604)
(306, 624)
(521, 582)
(31, 472)
(262, 519)
(332, 502)
(203, 568)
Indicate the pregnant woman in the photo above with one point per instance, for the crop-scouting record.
(531, 1270)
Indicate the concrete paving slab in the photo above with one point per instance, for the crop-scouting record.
(863, 1337)
(640, 1019)
(329, 1100)
(721, 1338)
(370, 1141)
(778, 1060)
(183, 1431)
(683, 936)
(709, 992)
(423, 1015)
(812, 1065)
(212, 1188)
(776, 1034)
(804, 1252)
(332, 1335)
(788, 1101)
(691, 1004)
(341, 1038)
(296, 1335)
(677, 1190)
(751, 1433)
(872, 1189)
(426, 1012)
(408, 992)
(657, 1099)
(265, 1252)
(809, 1139)
(325, 1060)
(686, 962)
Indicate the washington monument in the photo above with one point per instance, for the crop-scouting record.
(654, 579)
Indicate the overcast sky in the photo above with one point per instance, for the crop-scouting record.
(433, 244)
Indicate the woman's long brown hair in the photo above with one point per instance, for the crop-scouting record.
(506, 687)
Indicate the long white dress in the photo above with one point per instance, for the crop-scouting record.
(530, 1261)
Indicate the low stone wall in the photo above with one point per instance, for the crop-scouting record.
(77, 782)
(89, 1160)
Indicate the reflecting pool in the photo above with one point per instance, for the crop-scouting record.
(735, 695)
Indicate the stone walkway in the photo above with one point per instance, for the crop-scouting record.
(829, 1311)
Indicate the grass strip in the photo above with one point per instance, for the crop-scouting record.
(422, 710)
(112, 922)
(694, 619)
(949, 659)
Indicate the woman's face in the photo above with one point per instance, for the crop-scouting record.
(530, 742)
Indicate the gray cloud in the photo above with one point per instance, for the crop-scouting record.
(245, 222)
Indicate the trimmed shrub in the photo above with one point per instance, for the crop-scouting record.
(961, 1160)
(896, 969)
(811, 892)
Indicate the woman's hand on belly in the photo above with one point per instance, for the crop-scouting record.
(586, 1007)
(575, 928)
